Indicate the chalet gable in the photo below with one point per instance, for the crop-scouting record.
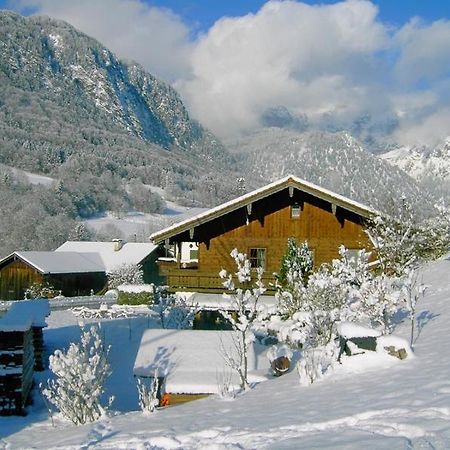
(256, 205)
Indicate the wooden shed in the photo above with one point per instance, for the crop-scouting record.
(69, 272)
(190, 364)
(259, 224)
(118, 252)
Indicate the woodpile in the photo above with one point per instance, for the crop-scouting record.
(16, 370)
(21, 353)
(38, 345)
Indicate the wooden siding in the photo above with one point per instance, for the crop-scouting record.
(324, 231)
(15, 278)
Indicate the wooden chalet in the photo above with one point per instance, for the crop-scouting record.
(259, 224)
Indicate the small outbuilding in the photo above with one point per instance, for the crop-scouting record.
(75, 268)
(190, 364)
(116, 253)
(71, 273)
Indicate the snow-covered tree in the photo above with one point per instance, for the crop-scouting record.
(412, 290)
(174, 311)
(242, 312)
(80, 373)
(344, 290)
(148, 393)
(402, 240)
(296, 266)
(125, 274)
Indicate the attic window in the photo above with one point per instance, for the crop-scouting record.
(295, 211)
(257, 258)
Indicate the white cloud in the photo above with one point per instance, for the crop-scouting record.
(424, 51)
(431, 130)
(306, 58)
(154, 37)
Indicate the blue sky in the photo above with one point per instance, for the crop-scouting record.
(204, 13)
(383, 62)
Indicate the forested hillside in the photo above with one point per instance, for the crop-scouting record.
(70, 108)
(102, 128)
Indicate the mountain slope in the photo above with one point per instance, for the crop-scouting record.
(332, 160)
(62, 94)
(422, 162)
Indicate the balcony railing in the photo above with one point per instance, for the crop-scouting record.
(191, 279)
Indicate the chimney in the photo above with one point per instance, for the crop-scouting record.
(118, 244)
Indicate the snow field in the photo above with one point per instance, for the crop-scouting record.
(390, 404)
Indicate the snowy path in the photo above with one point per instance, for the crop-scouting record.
(404, 406)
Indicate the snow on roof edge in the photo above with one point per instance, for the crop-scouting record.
(211, 213)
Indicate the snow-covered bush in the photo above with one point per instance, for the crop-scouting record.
(41, 290)
(80, 373)
(242, 313)
(109, 312)
(345, 290)
(315, 362)
(148, 393)
(402, 240)
(125, 274)
(225, 388)
(174, 311)
(141, 294)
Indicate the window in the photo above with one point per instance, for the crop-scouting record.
(193, 251)
(257, 257)
(295, 211)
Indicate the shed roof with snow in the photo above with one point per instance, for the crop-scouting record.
(110, 255)
(192, 362)
(58, 263)
(24, 314)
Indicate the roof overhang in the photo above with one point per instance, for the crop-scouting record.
(289, 182)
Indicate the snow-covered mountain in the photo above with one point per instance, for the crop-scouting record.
(336, 161)
(64, 94)
(422, 162)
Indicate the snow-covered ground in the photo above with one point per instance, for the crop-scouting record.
(390, 405)
(32, 178)
(141, 224)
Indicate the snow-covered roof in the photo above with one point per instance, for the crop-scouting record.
(61, 262)
(130, 252)
(192, 361)
(265, 191)
(25, 313)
